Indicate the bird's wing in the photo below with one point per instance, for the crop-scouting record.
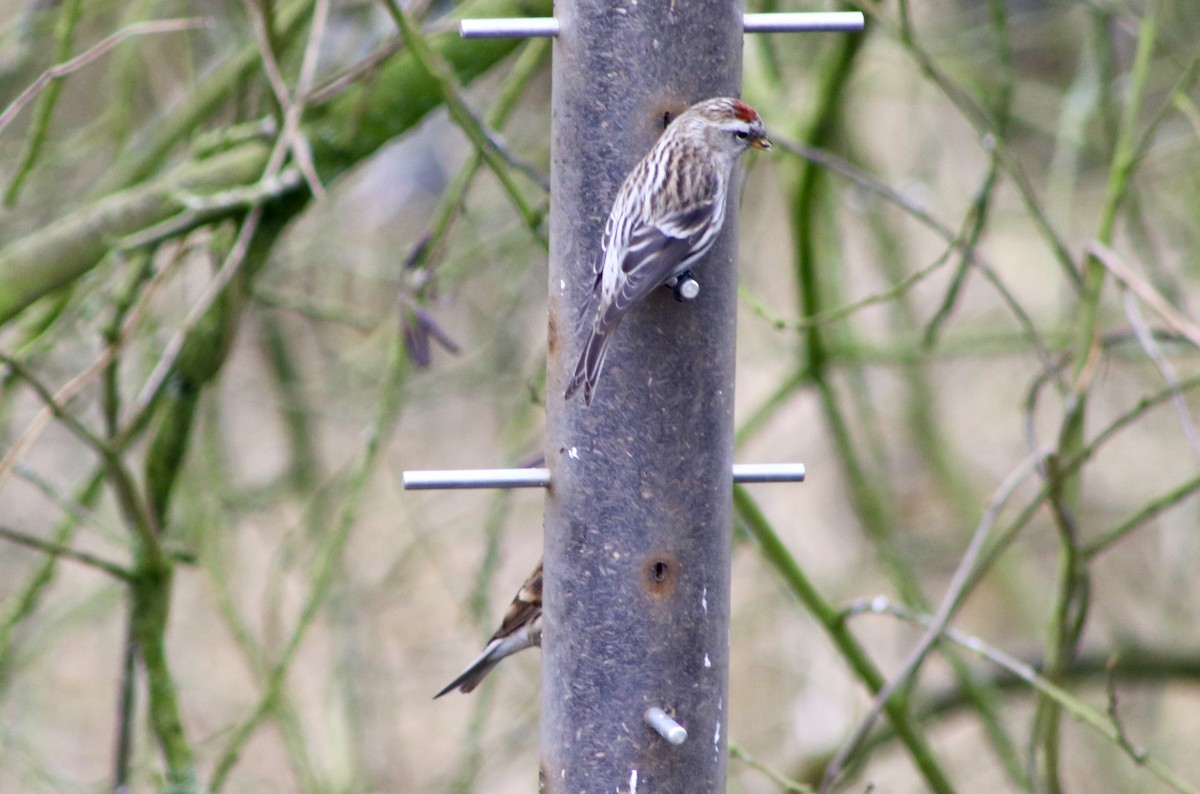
(653, 255)
(525, 606)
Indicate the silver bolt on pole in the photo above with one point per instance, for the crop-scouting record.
(685, 286)
(809, 22)
(666, 727)
(449, 479)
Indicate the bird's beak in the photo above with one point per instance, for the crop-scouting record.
(763, 143)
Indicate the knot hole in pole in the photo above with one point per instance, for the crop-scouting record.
(660, 574)
(665, 111)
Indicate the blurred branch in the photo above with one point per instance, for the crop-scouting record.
(1065, 492)
(35, 138)
(785, 785)
(213, 291)
(847, 310)
(956, 241)
(976, 221)
(1045, 687)
(1071, 466)
(1132, 664)
(52, 257)
(199, 106)
(58, 408)
(57, 254)
(283, 708)
(778, 557)
(90, 55)
(991, 137)
(872, 500)
(1067, 620)
(55, 549)
(150, 590)
(1148, 511)
(77, 383)
(313, 308)
(532, 55)
(1146, 339)
(419, 325)
(484, 141)
(1112, 262)
(328, 561)
(122, 480)
(956, 593)
(358, 120)
(293, 103)
(70, 508)
(25, 598)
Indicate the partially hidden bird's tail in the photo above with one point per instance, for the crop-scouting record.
(591, 361)
(527, 635)
(476, 671)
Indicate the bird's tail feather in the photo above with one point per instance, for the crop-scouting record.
(591, 362)
(476, 671)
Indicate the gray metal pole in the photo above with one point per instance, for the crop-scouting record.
(639, 511)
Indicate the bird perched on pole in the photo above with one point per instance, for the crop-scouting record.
(667, 215)
(520, 629)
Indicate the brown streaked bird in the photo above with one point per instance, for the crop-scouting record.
(520, 629)
(667, 214)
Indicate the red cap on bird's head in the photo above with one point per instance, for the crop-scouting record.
(744, 111)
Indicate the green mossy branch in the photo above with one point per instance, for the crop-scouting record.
(55, 256)
(343, 132)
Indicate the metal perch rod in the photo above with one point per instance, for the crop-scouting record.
(743, 473)
(813, 22)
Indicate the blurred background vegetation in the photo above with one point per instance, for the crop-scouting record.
(257, 258)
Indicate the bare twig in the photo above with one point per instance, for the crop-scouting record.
(1110, 687)
(76, 384)
(1026, 672)
(293, 105)
(955, 594)
(216, 285)
(67, 553)
(481, 138)
(953, 239)
(35, 136)
(1112, 262)
(1148, 511)
(76, 511)
(1146, 338)
(133, 508)
(93, 53)
(786, 785)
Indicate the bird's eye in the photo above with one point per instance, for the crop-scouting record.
(742, 134)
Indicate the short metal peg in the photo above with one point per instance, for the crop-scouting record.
(666, 727)
(685, 286)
